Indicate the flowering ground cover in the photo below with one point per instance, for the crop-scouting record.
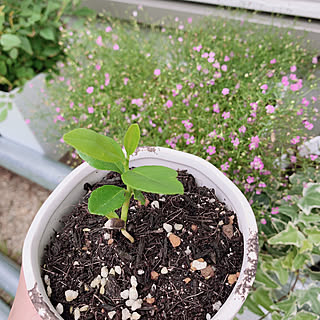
(241, 96)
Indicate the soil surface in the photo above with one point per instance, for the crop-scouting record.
(183, 264)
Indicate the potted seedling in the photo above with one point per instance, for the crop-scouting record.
(150, 240)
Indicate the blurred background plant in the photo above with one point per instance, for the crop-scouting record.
(30, 38)
(242, 97)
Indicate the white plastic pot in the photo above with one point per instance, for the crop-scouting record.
(71, 190)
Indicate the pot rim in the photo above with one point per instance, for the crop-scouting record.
(31, 255)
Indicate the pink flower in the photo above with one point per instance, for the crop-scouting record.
(293, 159)
(27, 121)
(313, 157)
(179, 86)
(295, 140)
(254, 143)
(190, 20)
(250, 179)
(264, 87)
(263, 221)
(89, 90)
(225, 166)
(116, 47)
(300, 112)
(199, 67)
(224, 67)
(315, 60)
(98, 67)
(235, 142)
(226, 115)
(305, 102)
(190, 140)
(293, 68)
(273, 61)
(293, 76)
(198, 48)
(211, 150)
(125, 81)
(215, 108)
(187, 124)
(99, 41)
(226, 58)
(225, 91)
(308, 125)
(285, 81)
(71, 105)
(242, 129)
(157, 72)
(169, 103)
(108, 29)
(91, 110)
(275, 210)
(270, 108)
(262, 185)
(257, 163)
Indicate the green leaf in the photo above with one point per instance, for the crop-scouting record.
(155, 179)
(281, 272)
(276, 316)
(253, 307)
(3, 68)
(51, 51)
(2, 104)
(47, 34)
(287, 306)
(306, 246)
(9, 106)
(95, 145)
(311, 198)
(3, 115)
(9, 41)
(84, 12)
(13, 53)
(263, 277)
(262, 298)
(290, 211)
(131, 139)
(25, 45)
(304, 315)
(106, 199)
(308, 219)
(313, 234)
(138, 195)
(309, 297)
(300, 260)
(102, 165)
(291, 235)
(111, 215)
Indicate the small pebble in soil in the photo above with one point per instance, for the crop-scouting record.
(164, 270)
(59, 308)
(71, 295)
(167, 227)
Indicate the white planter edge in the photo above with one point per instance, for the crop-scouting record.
(70, 191)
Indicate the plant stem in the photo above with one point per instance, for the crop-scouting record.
(127, 235)
(125, 206)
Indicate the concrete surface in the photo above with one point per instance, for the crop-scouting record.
(20, 200)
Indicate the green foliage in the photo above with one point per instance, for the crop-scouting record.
(30, 38)
(104, 153)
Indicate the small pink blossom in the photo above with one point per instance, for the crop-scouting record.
(179, 86)
(293, 76)
(225, 166)
(226, 59)
(285, 81)
(293, 68)
(254, 143)
(300, 112)
(169, 103)
(89, 90)
(198, 48)
(305, 102)
(235, 142)
(71, 105)
(257, 163)
(226, 115)
(225, 91)
(116, 47)
(315, 60)
(275, 210)
(58, 110)
(91, 110)
(224, 67)
(108, 29)
(190, 20)
(273, 61)
(190, 140)
(295, 140)
(270, 108)
(211, 150)
(242, 129)
(293, 159)
(98, 67)
(125, 81)
(250, 179)
(99, 41)
(263, 221)
(27, 121)
(313, 157)
(262, 185)
(264, 87)
(308, 125)
(157, 72)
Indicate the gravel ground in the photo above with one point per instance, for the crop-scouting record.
(19, 202)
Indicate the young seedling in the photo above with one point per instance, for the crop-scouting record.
(104, 153)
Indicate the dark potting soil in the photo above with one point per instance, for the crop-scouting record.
(184, 263)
